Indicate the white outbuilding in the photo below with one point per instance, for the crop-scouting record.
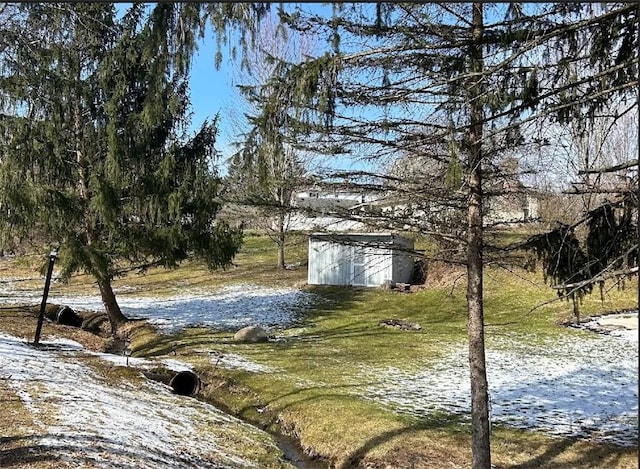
(359, 259)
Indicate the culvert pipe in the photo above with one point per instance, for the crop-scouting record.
(185, 383)
(68, 317)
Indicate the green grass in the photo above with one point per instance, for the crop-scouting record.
(316, 387)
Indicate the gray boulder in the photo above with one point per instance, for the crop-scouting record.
(251, 334)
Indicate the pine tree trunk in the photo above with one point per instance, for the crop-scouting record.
(116, 318)
(601, 287)
(480, 438)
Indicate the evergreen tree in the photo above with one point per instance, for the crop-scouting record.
(94, 150)
(405, 79)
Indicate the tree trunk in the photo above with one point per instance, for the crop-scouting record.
(281, 264)
(480, 440)
(576, 309)
(116, 318)
(280, 241)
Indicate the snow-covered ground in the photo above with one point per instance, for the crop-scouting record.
(576, 386)
(232, 307)
(90, 423)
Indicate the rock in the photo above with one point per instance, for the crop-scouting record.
(400, 324)
(251, 334)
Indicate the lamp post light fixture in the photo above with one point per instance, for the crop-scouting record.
(52, 258)
(127, 350)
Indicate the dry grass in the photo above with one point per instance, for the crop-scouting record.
(21, 322)
(19, 445)
(254, 264)
(329, 421)
(559, 453)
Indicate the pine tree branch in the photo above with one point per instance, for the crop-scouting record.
(596, 279)
(610, 169)
(577, 191)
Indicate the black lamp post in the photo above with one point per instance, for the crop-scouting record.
(52, 258)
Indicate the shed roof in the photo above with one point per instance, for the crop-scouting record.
(385, 238)
(352, 234)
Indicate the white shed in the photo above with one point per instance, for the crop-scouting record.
(359, 259)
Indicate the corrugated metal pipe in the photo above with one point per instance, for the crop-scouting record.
(185, 383)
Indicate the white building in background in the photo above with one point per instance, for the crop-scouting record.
(318, 209)
(343, 252)
(359, 259)
(521, 206)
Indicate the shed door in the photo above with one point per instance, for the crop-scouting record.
(359, 266)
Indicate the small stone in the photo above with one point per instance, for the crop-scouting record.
(251, 334)
(401, 324)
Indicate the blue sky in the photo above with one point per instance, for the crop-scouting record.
(212, 91)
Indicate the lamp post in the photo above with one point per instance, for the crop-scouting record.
(127, 349)
(52, 258)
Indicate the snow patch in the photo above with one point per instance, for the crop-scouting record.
(124, 425)
(233, 361)
(572, 386)
(621, 325)
(231, 308)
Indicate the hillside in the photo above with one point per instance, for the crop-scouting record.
(348, 389)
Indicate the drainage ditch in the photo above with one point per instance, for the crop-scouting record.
(187, 383)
